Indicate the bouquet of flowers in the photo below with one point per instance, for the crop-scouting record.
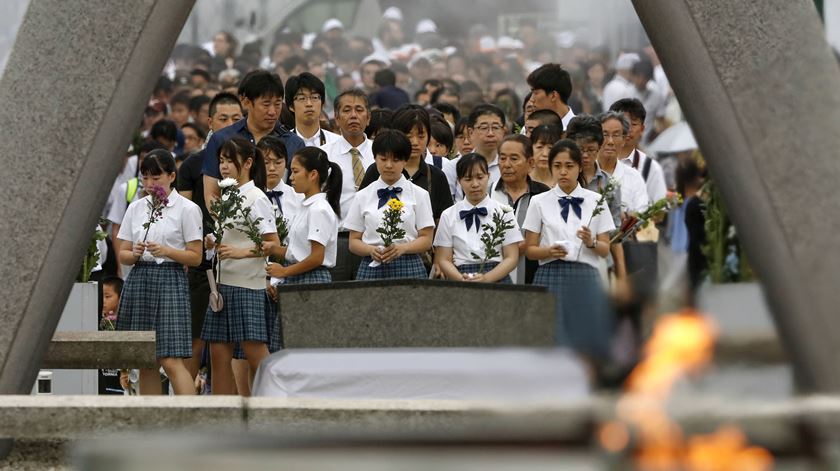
(606, 198)
(634, 223)
(225, 210)
(108, 321)
(391, 227)
(282, 225)
(492, 236)
(157, 201)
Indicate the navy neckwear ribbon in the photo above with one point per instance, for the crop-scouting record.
(565, 202)
(275, 196)
(386, 194)
(471, 217)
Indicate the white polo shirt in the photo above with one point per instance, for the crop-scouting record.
(316, 222)
(366, 215)
(634, 196)
(339, 152)
(290, 201)
(180, 223)
(452, 231)
(544, 218)
(655, 182)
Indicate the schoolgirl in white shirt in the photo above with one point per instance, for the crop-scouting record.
(242, 319)
(391, 150)
(156, 294)
(562, 232)
(313, 235)
(460, 228)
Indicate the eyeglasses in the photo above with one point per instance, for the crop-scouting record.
(616, 137)
(589, 151)
(305, 98)
(487, 127)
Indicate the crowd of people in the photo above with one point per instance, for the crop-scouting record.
(340, 158)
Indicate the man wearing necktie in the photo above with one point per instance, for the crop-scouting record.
(352, 152)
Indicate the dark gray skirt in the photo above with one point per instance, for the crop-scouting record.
(408, 266)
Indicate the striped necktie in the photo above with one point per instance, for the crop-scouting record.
(358, 168)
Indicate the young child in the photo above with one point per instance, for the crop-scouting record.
(562, 233)
(391, 150)
(156, 294)
(242, 318)
(459, 232)
(109, 378)
(313, 235)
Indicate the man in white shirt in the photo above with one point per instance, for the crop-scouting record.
(551, 87)
(634, 197)
(630, 154)
(305, 95)
(352, 152)
(487, 128)
(649, 94)
(621, 86)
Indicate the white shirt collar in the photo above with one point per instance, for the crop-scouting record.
(402, 183)
(173, 195)
(345, 146)
(246, 186)
(317, 133)
(578, 191)
(316, 197)
(482, 204)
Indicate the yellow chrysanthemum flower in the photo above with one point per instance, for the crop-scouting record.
(395, 204)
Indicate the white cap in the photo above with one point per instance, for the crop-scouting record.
(626, 61)
(332, 23)
(426, 26)
(507, 42)
(487, 43)
(377, 57)
(393, 13)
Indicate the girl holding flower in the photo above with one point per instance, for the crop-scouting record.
(158, 236)
(412, 217)
(464, 233)
(242, 317)
(313, 235)
(569, 250)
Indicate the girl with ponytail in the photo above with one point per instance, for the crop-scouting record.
(313, 234)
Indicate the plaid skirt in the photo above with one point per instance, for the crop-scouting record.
(317, 275)
(243, 317)
(407, 266)
(157, 297)
(473, 268)
(583, 314)
(275, 341)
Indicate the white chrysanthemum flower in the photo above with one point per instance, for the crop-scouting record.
(225, 196)
(506, 209)
(228, 182)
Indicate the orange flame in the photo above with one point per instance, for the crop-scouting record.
(681, 344)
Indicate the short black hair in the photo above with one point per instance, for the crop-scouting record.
(485, 109)
(274, 145)
(391, 141)
(547, 117)
(442, 133)
(551, 78)
(115, 282)
(385, 78)
(407, 117)
(643, 67)
(291, 62)
(445, 90)
(202, 73)
(180, 98)
(158, 162)
(200, 132)
(165, 129)
(448, 108)
(585, 127)
(304, 80)
(261, 83)
(631, 106)
(379, 119)
(223, 98)
(197, 102)
(469, 161)
(546, 134)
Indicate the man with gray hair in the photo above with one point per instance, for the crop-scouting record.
(634, 196)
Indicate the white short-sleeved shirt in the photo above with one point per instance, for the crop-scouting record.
(317, 222)
(179, 224)
(634, 195)
(338, 151)
(290, 202)
(366, 216)
(119, 205)
(261, 208)
(315, 140)
(452, 231)
(655, 182)
(544, 219)
(448, 168)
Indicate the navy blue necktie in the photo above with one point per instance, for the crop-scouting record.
(565, 202)
(471, 217)
(386, 194)
(275, 196)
